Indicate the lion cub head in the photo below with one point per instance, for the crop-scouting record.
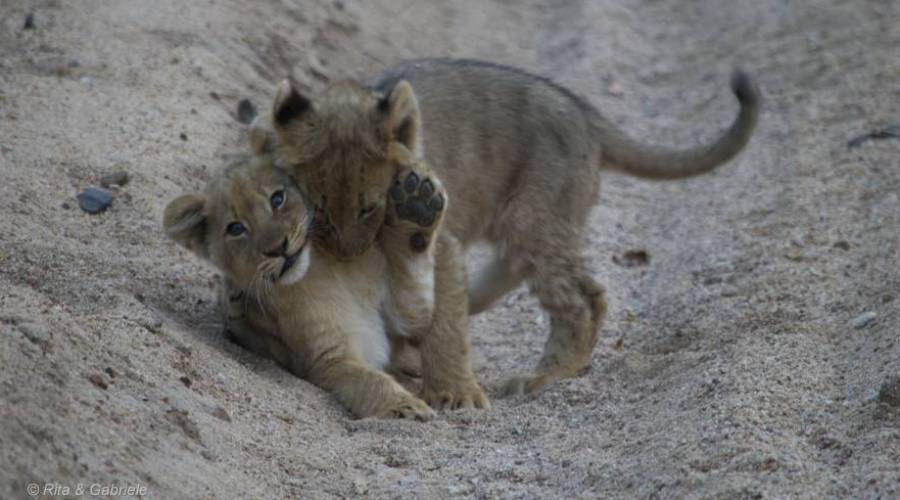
(345, 146)
(251, 222)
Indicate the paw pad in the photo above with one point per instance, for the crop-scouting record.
(417, 200)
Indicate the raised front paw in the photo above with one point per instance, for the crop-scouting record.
(466, 396)
(418, 203)
(408, 407)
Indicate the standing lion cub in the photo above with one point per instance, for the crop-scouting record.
(520, 157)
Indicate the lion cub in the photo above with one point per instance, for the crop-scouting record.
(519, 155)
(329, 321)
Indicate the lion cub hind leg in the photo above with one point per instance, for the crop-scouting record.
(577, 306)
(547, 247)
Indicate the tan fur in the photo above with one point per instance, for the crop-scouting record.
(328, 326)
(353, 141)
(520, 157)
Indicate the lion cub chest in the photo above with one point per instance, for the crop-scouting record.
(341, 302)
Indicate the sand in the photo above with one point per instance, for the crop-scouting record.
(753, 355)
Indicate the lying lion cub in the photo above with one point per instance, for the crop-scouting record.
(331, 322)
(521, 158)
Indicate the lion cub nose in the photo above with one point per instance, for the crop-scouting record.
(279, 251)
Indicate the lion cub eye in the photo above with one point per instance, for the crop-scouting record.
(277, 198)
(368, 211)
(235, 229)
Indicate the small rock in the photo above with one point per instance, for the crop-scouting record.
(181, 419)
(246, 111)
(109, 371)
(842, 245)
(825, 442)
(889, 393)
(864, 319)
(360, 487)
(615, 88)
(65, 205)
(186, 381)
(458, 488)
(38, 334)
(97, 380)
(119, 178)
(94, 200)
(29, 21)
(152, 324)
(182, 136)
(632, 258)
(221, 414)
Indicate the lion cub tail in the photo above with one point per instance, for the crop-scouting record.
(623, 154)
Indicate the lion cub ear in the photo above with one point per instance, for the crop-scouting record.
(403, 122)
(185, 222)
(289, 104)
(262, 136)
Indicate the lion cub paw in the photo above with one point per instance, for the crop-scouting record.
(418, 203)
(409, 407)
(445, 399)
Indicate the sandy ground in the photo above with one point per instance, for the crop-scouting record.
(734, 364)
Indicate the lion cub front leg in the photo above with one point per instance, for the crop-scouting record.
(416, 204)
(428, 290)
(365, 391)
(447, 376)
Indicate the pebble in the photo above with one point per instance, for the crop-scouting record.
(864, 319)
(458, 488)
(38, 334)
(153, 324)
(221, 414)
(246, 111)
(632, 258)
(29, 21)
(94, 200)
(119, 178)
(889, 393)
(181, 419)
(842, 245)
(97, 380)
